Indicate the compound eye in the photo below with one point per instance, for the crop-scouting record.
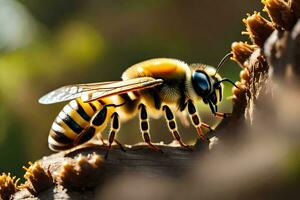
(201, 83)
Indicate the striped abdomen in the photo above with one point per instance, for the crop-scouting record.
(72, 121)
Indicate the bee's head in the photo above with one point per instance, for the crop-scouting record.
(209, 88)
(207, 84)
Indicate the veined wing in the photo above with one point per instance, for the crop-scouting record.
(69, 92)
(122, 87)
(92, 91)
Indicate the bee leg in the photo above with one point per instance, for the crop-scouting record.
(173, 127)
(98, 120)
(84, 136)
(115, 127)
(144, 126)
(120, 145)
(207, 126)
(196, 120)
(100, 138)
(222, 115)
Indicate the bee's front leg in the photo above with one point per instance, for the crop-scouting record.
(222, 115)
(196, 120)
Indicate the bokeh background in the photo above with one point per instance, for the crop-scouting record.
(50, 43)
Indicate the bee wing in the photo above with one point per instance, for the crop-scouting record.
(92, 91)
(121, 87)
(69, 92)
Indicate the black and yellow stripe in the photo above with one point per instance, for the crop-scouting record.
(144, 127)
(196, 119)
(73, 120)
(115, 127)
(144, 123)
(172, 125)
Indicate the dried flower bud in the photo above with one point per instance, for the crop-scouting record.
(280, 13)
(37, 179)
(245, 76)
(241, 52)
(81, 172)
(238, 93)
(258, 28)
(8, 186)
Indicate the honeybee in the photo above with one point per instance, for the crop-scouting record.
(150, 88)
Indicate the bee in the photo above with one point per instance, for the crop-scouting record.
(155, 87)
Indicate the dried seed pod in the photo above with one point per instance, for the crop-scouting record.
(280, 12)
(258, 28)
(295, 5)
(255, 71)
(258, 81)
(241, 52)
(82, 172)
(239, 93)
(245, 76)
(37, 179)
(8, 186)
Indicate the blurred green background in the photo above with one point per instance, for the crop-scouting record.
(50, 43)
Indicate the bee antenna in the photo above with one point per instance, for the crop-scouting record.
(222, 62)
(227, 80)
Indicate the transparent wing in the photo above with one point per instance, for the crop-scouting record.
(69, 92)
(91, 91)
